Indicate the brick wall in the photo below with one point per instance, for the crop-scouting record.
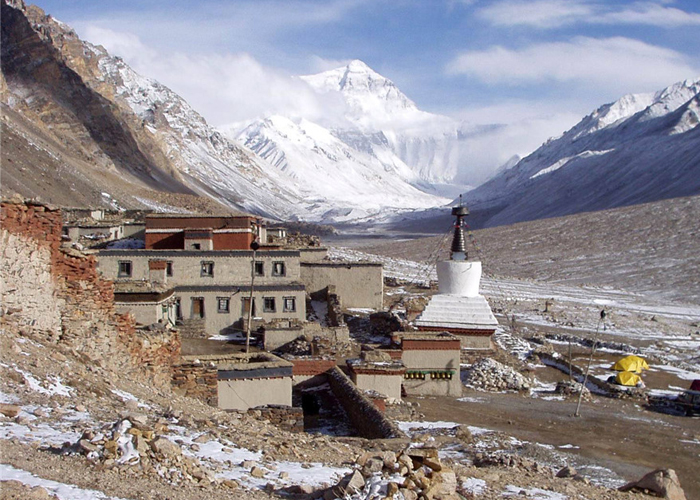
(311, 367)
(82, 302)
(284, 417)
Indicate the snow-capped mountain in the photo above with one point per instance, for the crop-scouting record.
(641, 148)
(326, 168)
(120, 124)
(423, 149)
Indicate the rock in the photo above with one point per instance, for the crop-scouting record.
(230, 483)
(284, 475)
(165, 447)
(443, 485)
(408, 494)
(9, 410)
(567, 471)
(41, 412)
(349, 485)
(389, 458)
(372, 465)
(663, 482)
(257, 472)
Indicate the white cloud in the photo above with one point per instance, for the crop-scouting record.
(557, 13)
(615, 64)
(538, 13)
(652, 14)
(225, 88)
(521, 127)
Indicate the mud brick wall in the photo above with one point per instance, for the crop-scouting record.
(311, 367)
(197, 380)
(284, 417)
(370, 422)
(58, 295)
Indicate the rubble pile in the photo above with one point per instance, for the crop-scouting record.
(132, 441)
(490, 375)
(570, 388)
(413, 473)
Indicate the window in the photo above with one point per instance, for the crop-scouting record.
(196, 246)
(178, 308)
(124, 269)
(223, 304)
(207, 269)
(197, 307)
(289, 304)
(278, 269)
(169, 268)
(269, 304)
(259, 270)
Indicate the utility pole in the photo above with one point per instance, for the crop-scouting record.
(254, 246)
(590, 359)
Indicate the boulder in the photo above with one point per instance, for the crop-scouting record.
(9, 410)
(662, 482)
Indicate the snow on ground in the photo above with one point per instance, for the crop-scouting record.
(61, 490)
(532, 493)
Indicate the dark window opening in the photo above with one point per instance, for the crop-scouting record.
(169, 268)
(196, 246)
(259, 269)
(269, 304)
(207, 269)
(124, 269)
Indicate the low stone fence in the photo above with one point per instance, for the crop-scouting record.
(284, 417)
(369, 421)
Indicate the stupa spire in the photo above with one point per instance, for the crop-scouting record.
(458, 251)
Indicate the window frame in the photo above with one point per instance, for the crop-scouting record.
(123, 274)
(227, 301)
(262, 268)
(293, 302)
(204, 265)
(283, 272)
(169, 268)
(267, 308)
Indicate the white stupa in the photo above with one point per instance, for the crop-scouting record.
(458, 307)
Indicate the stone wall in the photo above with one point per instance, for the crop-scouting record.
(197, 380)
(284, 417)
(57, 295)
(358, 284)
(370, 422)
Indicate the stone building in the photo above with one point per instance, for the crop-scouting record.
(432, 364)
(458, 307)
(203, 232)
(212, 286)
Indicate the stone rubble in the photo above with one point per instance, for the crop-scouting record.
(490, 375)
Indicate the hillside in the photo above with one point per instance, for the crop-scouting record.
(652, 248)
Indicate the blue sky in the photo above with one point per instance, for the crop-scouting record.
(533, 67)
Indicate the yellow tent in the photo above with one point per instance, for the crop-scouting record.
(631, 364)
(627, 378)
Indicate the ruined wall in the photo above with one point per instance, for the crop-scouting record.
(370, 422)
(284, 417)
(57, 295)
(358, 284)
(197, 380)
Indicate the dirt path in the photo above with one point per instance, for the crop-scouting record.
(615, 434)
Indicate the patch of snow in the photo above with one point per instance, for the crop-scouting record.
(61, 490)
(474, 486)
(532, 493)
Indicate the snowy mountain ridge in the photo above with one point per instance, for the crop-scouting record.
(640, 148)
